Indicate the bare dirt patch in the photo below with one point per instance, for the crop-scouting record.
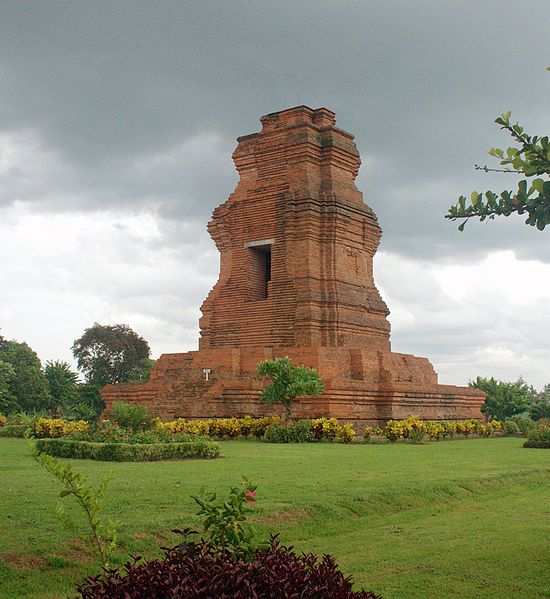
(279, 518)
(23, 561)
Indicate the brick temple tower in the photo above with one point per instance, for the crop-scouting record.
(297, 244)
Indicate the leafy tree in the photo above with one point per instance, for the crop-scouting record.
(109, 354)
(27, 387)
(8, 402)
(530, 158)
(503, 399)
(289, 382)
(90, 404)
(142, 372)
(540, 408)
(62, 384)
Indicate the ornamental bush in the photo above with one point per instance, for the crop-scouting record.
(131, 415)
(107, 431)
(223, 428)
(539, 438)
(525, 424)
(13, 430)
(127, 452)
(300, 431)
(414, 428)
(199, 570)
(510, 427)
(308, 431)
(57, 427)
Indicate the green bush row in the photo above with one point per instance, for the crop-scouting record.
(127, 452)
(13, 430)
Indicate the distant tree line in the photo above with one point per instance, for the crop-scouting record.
(505, 399)
(104, 354)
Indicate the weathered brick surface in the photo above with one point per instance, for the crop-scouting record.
(297, 213)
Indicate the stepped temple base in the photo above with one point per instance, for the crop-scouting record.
(361, 386)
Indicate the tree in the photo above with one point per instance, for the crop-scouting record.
(532, 159)
(62, 385)
(289, 382)
(90, 404)
(26, 387)
(142, 372)
(504, 399)
(540, 408)
(108, 354)
(8, 402)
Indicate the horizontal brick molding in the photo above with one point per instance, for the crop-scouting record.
(296, 244)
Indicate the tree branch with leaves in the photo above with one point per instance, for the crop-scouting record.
(530, 158)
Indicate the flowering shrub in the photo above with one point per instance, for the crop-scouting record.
(225, 523)
(539, 437)
(199, 570)
(57, 427)
(413, 428)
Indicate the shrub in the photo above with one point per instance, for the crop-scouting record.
(345, 433)
(292, 432)
(413, 427)
(198, 570)
(525, 424)
(224, 518)
(3, 420)
(13, 430)
(511, 427)
(367, 432)
(105, 431)
(539, 438)
(131, 415)
(416, 435)
(127, 452)
(224, 428)
(308, 431)
(57, 427)
(540, 408)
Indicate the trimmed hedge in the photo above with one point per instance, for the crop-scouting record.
(127, 452)
(539, 438)
(13, 430)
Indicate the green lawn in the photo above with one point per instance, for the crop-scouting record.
(465, 518)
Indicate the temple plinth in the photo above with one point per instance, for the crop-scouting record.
(296, 244)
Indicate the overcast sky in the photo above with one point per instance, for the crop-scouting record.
(117, 124)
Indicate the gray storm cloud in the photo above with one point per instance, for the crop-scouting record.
(114, 111)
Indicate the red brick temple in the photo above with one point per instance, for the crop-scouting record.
(296, 279)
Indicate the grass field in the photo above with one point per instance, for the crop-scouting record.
(464, 518)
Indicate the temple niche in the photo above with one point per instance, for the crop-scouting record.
(296, 243)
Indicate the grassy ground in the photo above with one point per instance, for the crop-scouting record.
(465, 518)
